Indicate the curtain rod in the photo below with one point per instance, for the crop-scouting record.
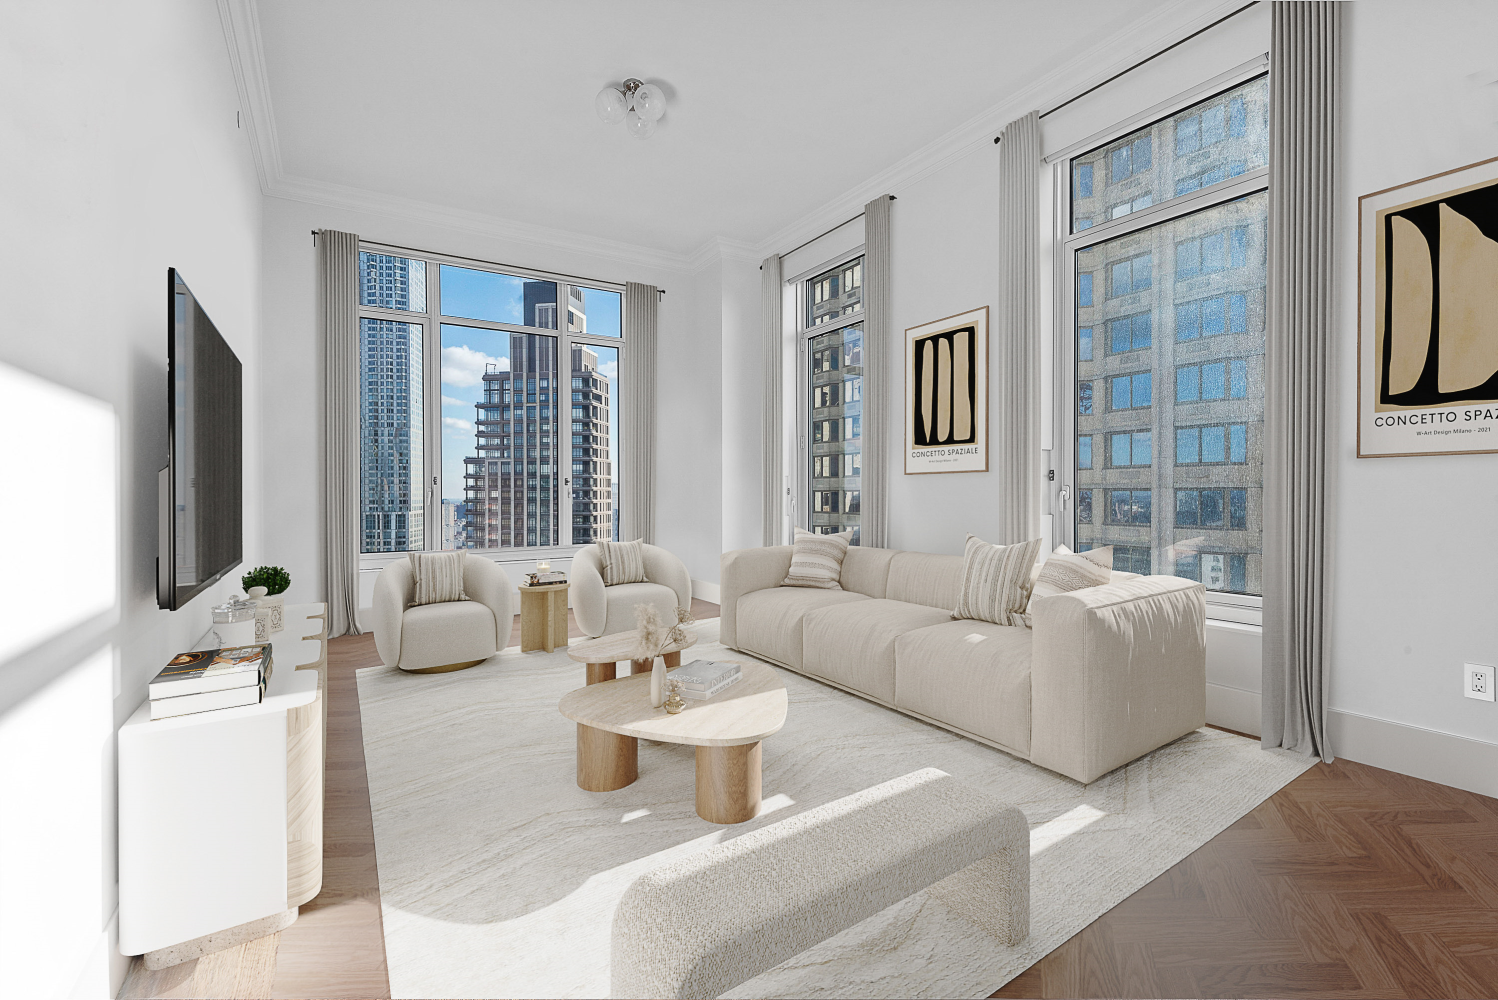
(1130, 69)
(820, 235)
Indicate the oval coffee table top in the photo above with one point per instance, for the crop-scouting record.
(746, 712)
(620, 646)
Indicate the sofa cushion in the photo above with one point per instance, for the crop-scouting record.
(980, 686)
(866, 571)
(769, 621)
(918, 578)
(854, 645)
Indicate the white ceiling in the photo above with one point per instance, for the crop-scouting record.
(774, 108)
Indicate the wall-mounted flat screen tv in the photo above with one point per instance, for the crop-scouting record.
(202, 486)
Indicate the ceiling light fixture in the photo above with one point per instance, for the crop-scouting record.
(638, 105)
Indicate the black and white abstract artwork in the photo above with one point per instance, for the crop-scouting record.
(946, 395)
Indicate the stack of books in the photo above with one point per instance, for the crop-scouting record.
(211, 679)
(546, 579)
(702, 679)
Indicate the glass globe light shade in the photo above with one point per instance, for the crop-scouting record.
(650, 102)
(640, 128)
(610, 105)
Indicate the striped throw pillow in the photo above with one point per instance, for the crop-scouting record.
(438, 577)
(995, 581)
(817, 560)
(623, 562)
(1066, 571)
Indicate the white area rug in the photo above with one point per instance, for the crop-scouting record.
(499, 876)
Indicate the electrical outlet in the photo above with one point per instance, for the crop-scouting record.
(1479, 683)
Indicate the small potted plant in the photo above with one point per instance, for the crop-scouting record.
(265, 585)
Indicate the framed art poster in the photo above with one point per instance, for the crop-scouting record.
(1428, 316)
(946, 395)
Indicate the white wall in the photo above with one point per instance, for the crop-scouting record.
(120, 156)
(743, 405)
(688, 464)
(1413, 535)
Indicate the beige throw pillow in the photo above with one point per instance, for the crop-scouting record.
(817, 560)
(995, 581)
(623, 562)
(1066, 571)
(438, 577)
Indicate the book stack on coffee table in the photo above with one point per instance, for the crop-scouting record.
(701, 679)
(210, 679)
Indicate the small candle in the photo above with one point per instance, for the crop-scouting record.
(543, 567)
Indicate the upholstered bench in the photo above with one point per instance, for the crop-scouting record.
(701, 926)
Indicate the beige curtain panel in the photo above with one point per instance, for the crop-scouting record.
(772, 440)
(1298, 373)
(338, 302)
(1017, 330)
(637, 512)
(874, 519)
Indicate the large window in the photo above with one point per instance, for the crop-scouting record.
(489, 406)
(831, 338)
(1182, 332)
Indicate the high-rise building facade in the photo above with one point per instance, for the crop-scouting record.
(390, 406)
(1170, 350)
(513, 481)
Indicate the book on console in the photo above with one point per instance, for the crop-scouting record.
(208, 670)
(206, 701)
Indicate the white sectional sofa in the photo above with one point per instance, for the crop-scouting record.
(1106, 675)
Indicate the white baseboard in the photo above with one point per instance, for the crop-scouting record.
(1421, 753)
(1232, 708)
(704, 591)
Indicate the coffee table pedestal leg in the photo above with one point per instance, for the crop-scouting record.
(728, 782)
(600, 672)
(672, 660)
(606, 761)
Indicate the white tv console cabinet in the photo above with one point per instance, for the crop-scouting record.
(221, 812)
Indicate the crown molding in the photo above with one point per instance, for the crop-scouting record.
(1164, 27)
(1167, 25)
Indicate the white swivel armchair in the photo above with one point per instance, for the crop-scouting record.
(604, 610)
(433, 638)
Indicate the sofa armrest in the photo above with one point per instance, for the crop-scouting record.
(392, 593)
(487, 583)
(664, 568)
(589, 603)
(1116, 671)
(744, 571)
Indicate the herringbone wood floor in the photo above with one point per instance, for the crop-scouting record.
(1348, 882)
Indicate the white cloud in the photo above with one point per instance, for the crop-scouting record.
(450, 401)
(609, 368)
(463, 366)
(458, 425)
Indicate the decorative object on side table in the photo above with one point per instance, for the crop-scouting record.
(674, 704)
(234, 623)
(272, 582)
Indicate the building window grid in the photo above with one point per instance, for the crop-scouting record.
(831, 336)
(1208, 303)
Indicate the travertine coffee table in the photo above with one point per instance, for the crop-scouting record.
(603, 654)
(727, 730)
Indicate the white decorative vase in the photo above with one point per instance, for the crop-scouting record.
(274, 609)
(658, 683)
